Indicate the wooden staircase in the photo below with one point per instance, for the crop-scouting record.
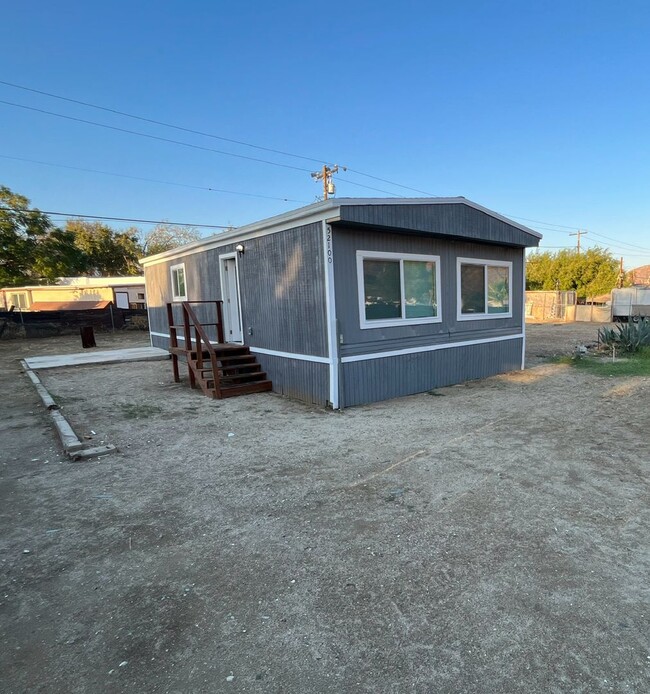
(221, 370)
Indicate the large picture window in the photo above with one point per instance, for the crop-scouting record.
(484, 289)
(179, 289)
(397, 289)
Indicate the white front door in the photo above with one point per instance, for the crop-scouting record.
(230, 293)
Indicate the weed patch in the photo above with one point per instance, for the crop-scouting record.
(636, 364)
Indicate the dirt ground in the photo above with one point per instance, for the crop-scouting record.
(488, 537)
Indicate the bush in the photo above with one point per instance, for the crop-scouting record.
(626, 337)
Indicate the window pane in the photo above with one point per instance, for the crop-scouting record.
(179, 282)
(420, 289)
(382, 289)
(498, 289)
(472, 288)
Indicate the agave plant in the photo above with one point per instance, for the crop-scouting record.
(627, 337)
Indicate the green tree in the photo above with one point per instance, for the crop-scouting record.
(592, 272)
(32, 250)
(106, 251)
(164, 237)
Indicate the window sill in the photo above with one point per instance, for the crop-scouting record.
(483, 316)
(399, 322)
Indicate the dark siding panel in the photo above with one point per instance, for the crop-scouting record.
(453, 219)
(283, 292)
(357, 341)
(281, 283)
(380, 379)
(304, 380)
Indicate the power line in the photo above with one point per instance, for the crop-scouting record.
(213, 136)
(151, 180)
(123, 219)
(153, 137)
(172, 141)
(162, 123)
(620, 243)
(241, 156)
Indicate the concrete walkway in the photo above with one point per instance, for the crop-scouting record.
(109, 356)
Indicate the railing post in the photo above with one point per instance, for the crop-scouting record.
(188, 344)
(173, 342)
(220, 338)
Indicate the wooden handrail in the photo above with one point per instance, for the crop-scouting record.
(200, 336)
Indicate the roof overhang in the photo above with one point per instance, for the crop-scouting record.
(384, 214)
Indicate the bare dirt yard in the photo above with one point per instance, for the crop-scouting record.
(487, 537)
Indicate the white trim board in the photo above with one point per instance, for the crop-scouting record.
(330, 314)
(270, 352)
(290, 355)
(428, 348)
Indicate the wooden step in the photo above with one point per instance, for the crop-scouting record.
(236, 380)
(237, 359)
(245, 389)
(228, 371)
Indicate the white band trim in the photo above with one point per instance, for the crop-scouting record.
(330, 312)
(270, 352)
(290, 355)
(428, 348)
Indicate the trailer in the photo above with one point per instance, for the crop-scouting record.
(630, 303)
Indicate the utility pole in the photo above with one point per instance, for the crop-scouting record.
(325, 174)
(579, 234)
(621, 276)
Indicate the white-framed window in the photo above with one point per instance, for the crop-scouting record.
(398, 289)
(179, 288)
(18, 300)
(484, 288)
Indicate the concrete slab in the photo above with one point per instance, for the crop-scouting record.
(108, 356)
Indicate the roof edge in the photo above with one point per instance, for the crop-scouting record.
(314, 212)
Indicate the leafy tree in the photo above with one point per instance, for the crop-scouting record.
(592, 272)
(106, 252)
(164, 237)
(32, 250)
(58, 256)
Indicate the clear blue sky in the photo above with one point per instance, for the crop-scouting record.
(537, 110)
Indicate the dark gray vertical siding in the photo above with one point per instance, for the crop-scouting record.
(304, 380)
(380, 379)
(281, 284)
(453, 219)
(282, 303)
(201, 282)
(355, 340)
(283, 291)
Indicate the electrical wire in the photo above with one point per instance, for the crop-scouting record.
(212, 135)
(122, 219)
(241, 156)
(152, 180)
(162, 123)
(172, 141)
(153, 137)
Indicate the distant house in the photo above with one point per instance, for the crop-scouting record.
(351, 301)
(77, 293)
(640, 276)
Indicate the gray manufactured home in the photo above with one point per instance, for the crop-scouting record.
(352, 300)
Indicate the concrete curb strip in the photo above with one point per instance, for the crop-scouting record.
(72, 445)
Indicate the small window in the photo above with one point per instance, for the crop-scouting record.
(484, 289)
(179, 290)
(140, 295)
(397, 289)
(18, 300)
